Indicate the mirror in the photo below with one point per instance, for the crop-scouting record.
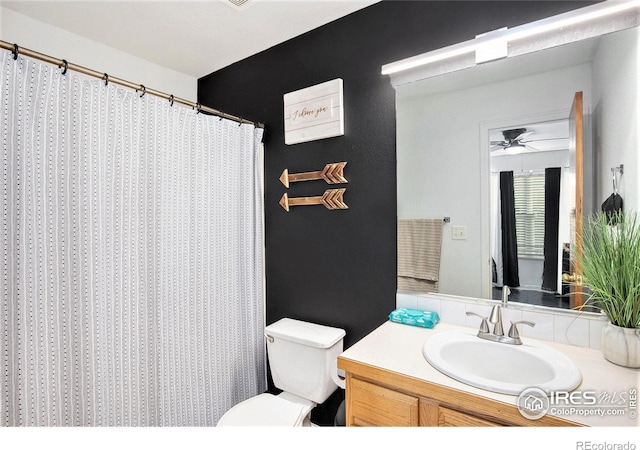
(445, 126)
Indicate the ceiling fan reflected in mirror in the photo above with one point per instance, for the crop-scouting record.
(513, 141)
(518, 140)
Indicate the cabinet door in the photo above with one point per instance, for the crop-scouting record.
(451, 418)
(373, 405)
(432, 414)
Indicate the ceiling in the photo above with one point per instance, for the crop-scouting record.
(191, 37)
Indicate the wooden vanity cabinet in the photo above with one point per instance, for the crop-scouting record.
(378, 397)
(374, 405)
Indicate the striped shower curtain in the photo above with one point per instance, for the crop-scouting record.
(132, 256)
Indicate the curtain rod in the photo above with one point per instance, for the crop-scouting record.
(15, 49)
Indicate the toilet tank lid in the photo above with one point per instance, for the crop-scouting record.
(305, 333)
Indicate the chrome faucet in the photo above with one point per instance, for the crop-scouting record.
(506, 292)
(495, 318)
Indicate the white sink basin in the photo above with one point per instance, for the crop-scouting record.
(498, 367)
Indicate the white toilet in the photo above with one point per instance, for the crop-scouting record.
(302, 358)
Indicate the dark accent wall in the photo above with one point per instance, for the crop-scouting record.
(338, 268)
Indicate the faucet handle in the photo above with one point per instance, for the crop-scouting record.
(484, 326)
(513, 331)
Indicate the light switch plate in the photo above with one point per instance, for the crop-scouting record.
(459, 233)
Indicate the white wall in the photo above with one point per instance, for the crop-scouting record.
(58, 43)
(617, 114)
(439, 158)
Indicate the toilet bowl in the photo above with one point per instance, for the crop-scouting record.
(285, 410)
(302, 359)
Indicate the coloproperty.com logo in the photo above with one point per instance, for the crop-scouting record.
(534, 403)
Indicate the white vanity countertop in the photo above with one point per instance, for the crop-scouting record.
(398, 348)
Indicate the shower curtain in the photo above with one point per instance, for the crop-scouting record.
(132, 246)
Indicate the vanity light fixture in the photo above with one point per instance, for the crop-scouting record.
(562, 23)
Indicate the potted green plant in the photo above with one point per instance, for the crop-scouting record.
(609, 254)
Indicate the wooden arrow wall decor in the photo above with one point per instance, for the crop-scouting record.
(332, 174)
(331, 199)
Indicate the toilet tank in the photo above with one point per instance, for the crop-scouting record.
(301, 356)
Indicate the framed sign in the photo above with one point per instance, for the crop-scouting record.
(314, 113)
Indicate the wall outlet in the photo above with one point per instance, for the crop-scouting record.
(459, 233)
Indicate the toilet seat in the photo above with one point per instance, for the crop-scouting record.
(284, 410)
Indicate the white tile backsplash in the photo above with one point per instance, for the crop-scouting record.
(571, 330)
(561, 326)
(406, 301)
(595, 333)
(543, 328)
(511, 315)
(473, 321)
(426, 303)
(453, 312)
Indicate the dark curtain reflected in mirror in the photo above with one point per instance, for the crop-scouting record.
(551, 220)
(510, 275)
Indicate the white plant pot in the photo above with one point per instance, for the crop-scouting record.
(621, 345)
